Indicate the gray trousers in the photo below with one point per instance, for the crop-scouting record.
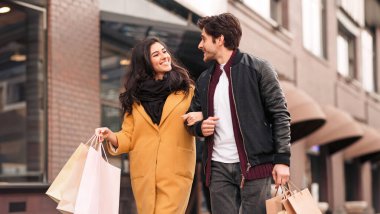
(228, 198)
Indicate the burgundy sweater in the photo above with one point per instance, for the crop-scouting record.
(248, 172)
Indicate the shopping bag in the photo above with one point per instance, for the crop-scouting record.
(299, 202)
(274, 204)
(59, 184)
(99, 189)
(70, 188)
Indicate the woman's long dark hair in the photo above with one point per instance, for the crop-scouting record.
(141, 70)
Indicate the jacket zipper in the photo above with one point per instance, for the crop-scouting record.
(246, 155)
(208, 89)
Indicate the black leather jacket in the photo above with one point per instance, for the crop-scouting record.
(261, 109)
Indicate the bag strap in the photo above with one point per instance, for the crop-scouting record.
(94, 142)
(286, 191)
(104, 152)
(91, 140)
(293, 185)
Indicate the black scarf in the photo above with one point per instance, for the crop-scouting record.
(152, 95)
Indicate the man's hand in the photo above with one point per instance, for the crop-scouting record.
(280, 174)
(208, 126)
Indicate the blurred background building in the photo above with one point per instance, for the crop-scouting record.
(61, 64)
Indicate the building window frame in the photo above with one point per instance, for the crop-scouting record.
(314, 40)
(347, 36)
(276, 11)
(368, 52)
(10, 104)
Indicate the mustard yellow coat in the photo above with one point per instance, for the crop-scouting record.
(162, 158)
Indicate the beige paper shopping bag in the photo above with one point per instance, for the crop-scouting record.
(99, 188)
(55, 189)
(71, 186)
(300, 202)
(274, 205)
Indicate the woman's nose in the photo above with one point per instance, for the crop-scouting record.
(164, 56)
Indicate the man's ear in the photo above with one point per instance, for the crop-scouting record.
(220, 40)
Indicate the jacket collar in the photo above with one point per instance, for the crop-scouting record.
(171, 102)
(235, 60)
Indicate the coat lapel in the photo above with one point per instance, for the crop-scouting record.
(171, 102)
(143, 113)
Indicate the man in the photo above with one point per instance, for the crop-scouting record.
(246, 122)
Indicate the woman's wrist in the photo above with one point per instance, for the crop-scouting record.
(112, 139)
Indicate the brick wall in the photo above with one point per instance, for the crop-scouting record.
(73, 77)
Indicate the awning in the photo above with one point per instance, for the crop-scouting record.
(339, 131)
(306, 114)
(368, 145)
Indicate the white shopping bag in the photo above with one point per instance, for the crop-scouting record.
(99, 188)
(61, 183)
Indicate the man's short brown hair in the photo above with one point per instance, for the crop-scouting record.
(224, 24)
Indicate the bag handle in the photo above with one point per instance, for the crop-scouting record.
(101, 150)
(282, 189)
(104, 152)
(288, 189)
(293, 185)
(94, 140)
(91, 140)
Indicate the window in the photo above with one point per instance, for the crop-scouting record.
(346, 63)
(22, 101)
(342, 56)
(313, 20)
(367, 61)
(260, 6)
(15, 92)
(354, 9)
(270, 9)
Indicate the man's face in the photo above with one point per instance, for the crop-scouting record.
(208, 46)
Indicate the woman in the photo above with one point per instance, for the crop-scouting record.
(157, 94)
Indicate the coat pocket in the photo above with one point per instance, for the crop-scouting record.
(137, 167)
(185, 163)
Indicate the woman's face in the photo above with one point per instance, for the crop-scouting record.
(160, 59)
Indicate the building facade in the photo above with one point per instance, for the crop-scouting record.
(62, 64)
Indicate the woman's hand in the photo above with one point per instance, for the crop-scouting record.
(103, 133)
(192, 117)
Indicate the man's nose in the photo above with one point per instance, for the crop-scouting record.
(200, 45)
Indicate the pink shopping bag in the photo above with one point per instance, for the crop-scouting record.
(99, 189)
